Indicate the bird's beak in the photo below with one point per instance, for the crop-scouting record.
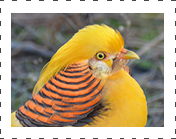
(126, 54)
(122, 60)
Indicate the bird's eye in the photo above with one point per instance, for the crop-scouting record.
(100, 56)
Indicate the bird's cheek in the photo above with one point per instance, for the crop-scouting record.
(118, 64)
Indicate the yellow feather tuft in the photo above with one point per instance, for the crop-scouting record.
(82, 46)
(14, 121)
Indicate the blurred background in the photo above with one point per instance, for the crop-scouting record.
(36, 37)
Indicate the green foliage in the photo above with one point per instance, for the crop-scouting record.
(37, 41)
(115, 22)
(19, 29)
(149, 35)
(146, 64)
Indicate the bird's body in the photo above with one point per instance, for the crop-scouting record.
(85, 84)
(125, 108)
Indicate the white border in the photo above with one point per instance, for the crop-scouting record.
(88, 6)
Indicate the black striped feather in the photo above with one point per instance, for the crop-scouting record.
(71, 97)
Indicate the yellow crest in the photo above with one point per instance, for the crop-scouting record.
(82, 46)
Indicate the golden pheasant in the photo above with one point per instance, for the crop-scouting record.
(84, 84)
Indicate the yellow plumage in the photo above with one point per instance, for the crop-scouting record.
(14, 121)
(82, 46)
(124, 103)
(127, 103)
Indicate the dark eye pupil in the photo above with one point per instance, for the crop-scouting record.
(100, 55)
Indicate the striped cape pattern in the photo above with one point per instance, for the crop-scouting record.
(71, 97)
